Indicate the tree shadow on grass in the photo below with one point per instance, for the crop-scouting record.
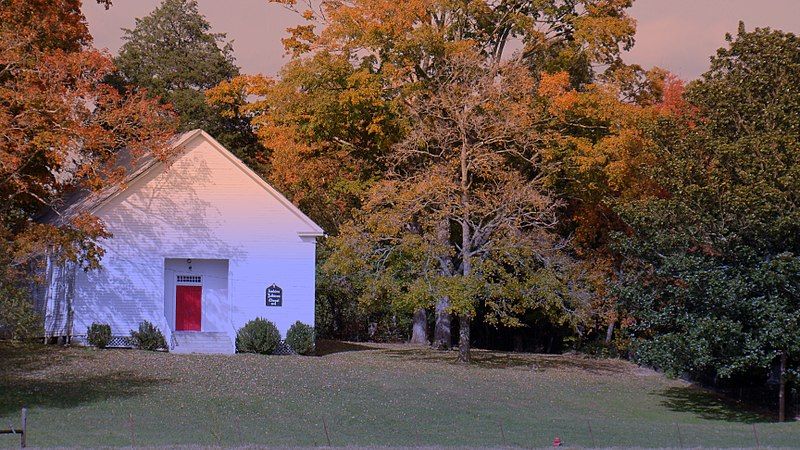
(709, 405)
(479, 359)
(503, 360)
(30, 375)
(16, 392)
(594, 366)
(329, 347)
(23, 357)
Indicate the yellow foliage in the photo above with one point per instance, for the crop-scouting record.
(553, 85)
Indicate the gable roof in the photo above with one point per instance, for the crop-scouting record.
(85, 200)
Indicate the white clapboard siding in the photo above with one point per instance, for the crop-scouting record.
(206, 207)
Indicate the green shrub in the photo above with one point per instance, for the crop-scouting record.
(258, 336)
(99, 334)
(149, 337)
(300, 338)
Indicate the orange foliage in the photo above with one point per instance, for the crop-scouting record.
(672, 101)
(61, 125)
(604, 152)
(324, 124)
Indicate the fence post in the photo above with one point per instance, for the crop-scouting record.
(591, 433)
(133, 430)
(325, 427)
(24, 436)
(239, 430)
(680, 438)
(755, 433)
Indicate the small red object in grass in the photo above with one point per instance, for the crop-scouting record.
(557, 442)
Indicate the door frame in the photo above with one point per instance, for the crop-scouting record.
(188, 280)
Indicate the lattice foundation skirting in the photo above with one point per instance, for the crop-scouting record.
(125, 342)
(115, 342)
(283, 349)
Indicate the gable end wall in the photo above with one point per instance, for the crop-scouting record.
(201, 207)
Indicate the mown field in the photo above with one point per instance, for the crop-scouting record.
(362, 395)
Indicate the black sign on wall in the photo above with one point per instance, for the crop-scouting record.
(274, 296)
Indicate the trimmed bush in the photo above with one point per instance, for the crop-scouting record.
(300, 338)
(149, 337)
(258, 336)
(99, 334)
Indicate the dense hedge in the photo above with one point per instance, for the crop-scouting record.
(258, 336)
(300, 338)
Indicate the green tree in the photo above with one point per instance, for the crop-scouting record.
(173, 54)
(713, 259)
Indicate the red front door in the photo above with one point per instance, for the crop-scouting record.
(187, 307)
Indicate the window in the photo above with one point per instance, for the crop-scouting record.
(190, 279)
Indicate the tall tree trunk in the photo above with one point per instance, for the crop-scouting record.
(441, 332)
(463, 338)
(610, 331)
(466, 253)
(71, 273)
(782, 389)
(419, 330)
(519, 341)
(442, 336)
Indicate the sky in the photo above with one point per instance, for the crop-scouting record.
(678, 35)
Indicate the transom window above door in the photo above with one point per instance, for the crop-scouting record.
(190, 279)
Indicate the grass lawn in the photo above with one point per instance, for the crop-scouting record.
(364, 395)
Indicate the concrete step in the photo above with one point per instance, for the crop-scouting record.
(202, 342)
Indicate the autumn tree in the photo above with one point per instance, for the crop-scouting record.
(326, 125)
(600, 155)
(61, 126)
(395, 50)
(711, 270)
(173, 54)
(463, 213)
(409, 38)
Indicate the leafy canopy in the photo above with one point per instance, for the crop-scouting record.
(61, 127)
(173, 50)
(462, 212)
(333, 112)
(713, 260)
(173, 54)
(410, 37)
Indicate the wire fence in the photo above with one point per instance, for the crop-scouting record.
(20, 431)
(228, 429)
